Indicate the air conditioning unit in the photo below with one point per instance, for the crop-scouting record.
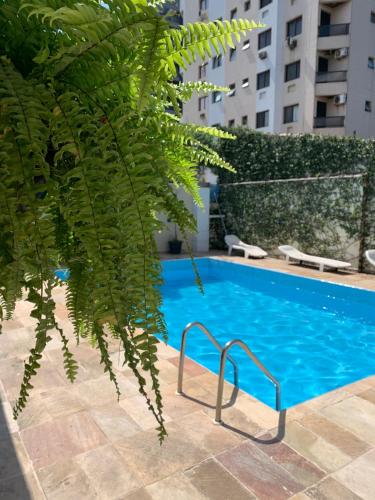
(340, 99)
(292, 42)
(263, 54)
(341, 53)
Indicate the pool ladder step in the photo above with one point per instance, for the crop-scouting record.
(223, 358)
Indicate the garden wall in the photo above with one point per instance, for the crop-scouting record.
(315, 192)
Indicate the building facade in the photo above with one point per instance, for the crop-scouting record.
(310, 69)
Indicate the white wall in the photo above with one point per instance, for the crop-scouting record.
(198, 242)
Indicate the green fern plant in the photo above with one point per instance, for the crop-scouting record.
(89, 156)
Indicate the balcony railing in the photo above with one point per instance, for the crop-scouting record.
(331, 76)
(329, 121)
(334, 29)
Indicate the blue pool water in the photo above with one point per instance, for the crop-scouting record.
(313, 336)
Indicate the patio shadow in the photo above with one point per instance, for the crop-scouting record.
(12, 481)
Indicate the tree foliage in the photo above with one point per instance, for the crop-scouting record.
(89, 156)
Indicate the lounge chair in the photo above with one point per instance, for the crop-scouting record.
(370, 256)
(234, 243)
(292, 253)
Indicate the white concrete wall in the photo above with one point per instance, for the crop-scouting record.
(198, 242)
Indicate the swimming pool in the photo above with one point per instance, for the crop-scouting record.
(313, 336)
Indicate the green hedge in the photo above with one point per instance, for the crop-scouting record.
(324, 216)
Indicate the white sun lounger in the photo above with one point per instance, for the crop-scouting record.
(370, 256)
(292, 253)
(234, 243)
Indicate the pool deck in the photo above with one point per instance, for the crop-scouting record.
(77, 442)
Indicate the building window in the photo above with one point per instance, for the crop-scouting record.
(232, 54)
(294, 27)
(232, 90)
(244, 120)
(246, 45)
(217, 61)
(264, 39)
(292, 71)
(202, 70)
(263, 3)
(245, 83)
(368, 106)
(291, 114)
(371, 62)
(247, 5)
(203, 4)
(202, 103)
(233, 14)
(263, 79)
(262, 119)
(373, 17)
(231, 123)
(217, 96)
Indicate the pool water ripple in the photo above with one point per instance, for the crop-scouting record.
(313, 336)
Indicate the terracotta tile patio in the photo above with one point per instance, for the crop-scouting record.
(77, 442)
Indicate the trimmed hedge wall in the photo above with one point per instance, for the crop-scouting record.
(329, 216)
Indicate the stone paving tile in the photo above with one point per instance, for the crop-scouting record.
(314, 448)
(216, 483)
(137, 409)
(191, 368)
(330, 489)
(35, 414)
(60, 401)
(176, 487)
(358, 386)
(114, 422)
(177, 406)
(355, 414)
(101, 391)
(369, 395)
(344, 440)
(328, 399)
(200, 429)
(261, 414)
(359, 476)
(66, 481)
(7, 423)
(168, 371)
(107, 473)
(61, 439)
(258, 473)
(152, 462)
(298, 467)
(13, 458)
(140, 494)
(23, 487)
(238, 421)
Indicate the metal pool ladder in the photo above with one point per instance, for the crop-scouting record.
(223, 357)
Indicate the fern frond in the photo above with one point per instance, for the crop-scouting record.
(184, 45)
(89, 158)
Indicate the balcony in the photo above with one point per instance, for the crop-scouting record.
(330, 83)
(333, 36)
(329, 121)
(334, 29)
(331, 76)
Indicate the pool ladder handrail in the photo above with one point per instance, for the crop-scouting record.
(208, 334)
(223, 358)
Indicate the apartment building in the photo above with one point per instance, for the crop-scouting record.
(310, 69)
